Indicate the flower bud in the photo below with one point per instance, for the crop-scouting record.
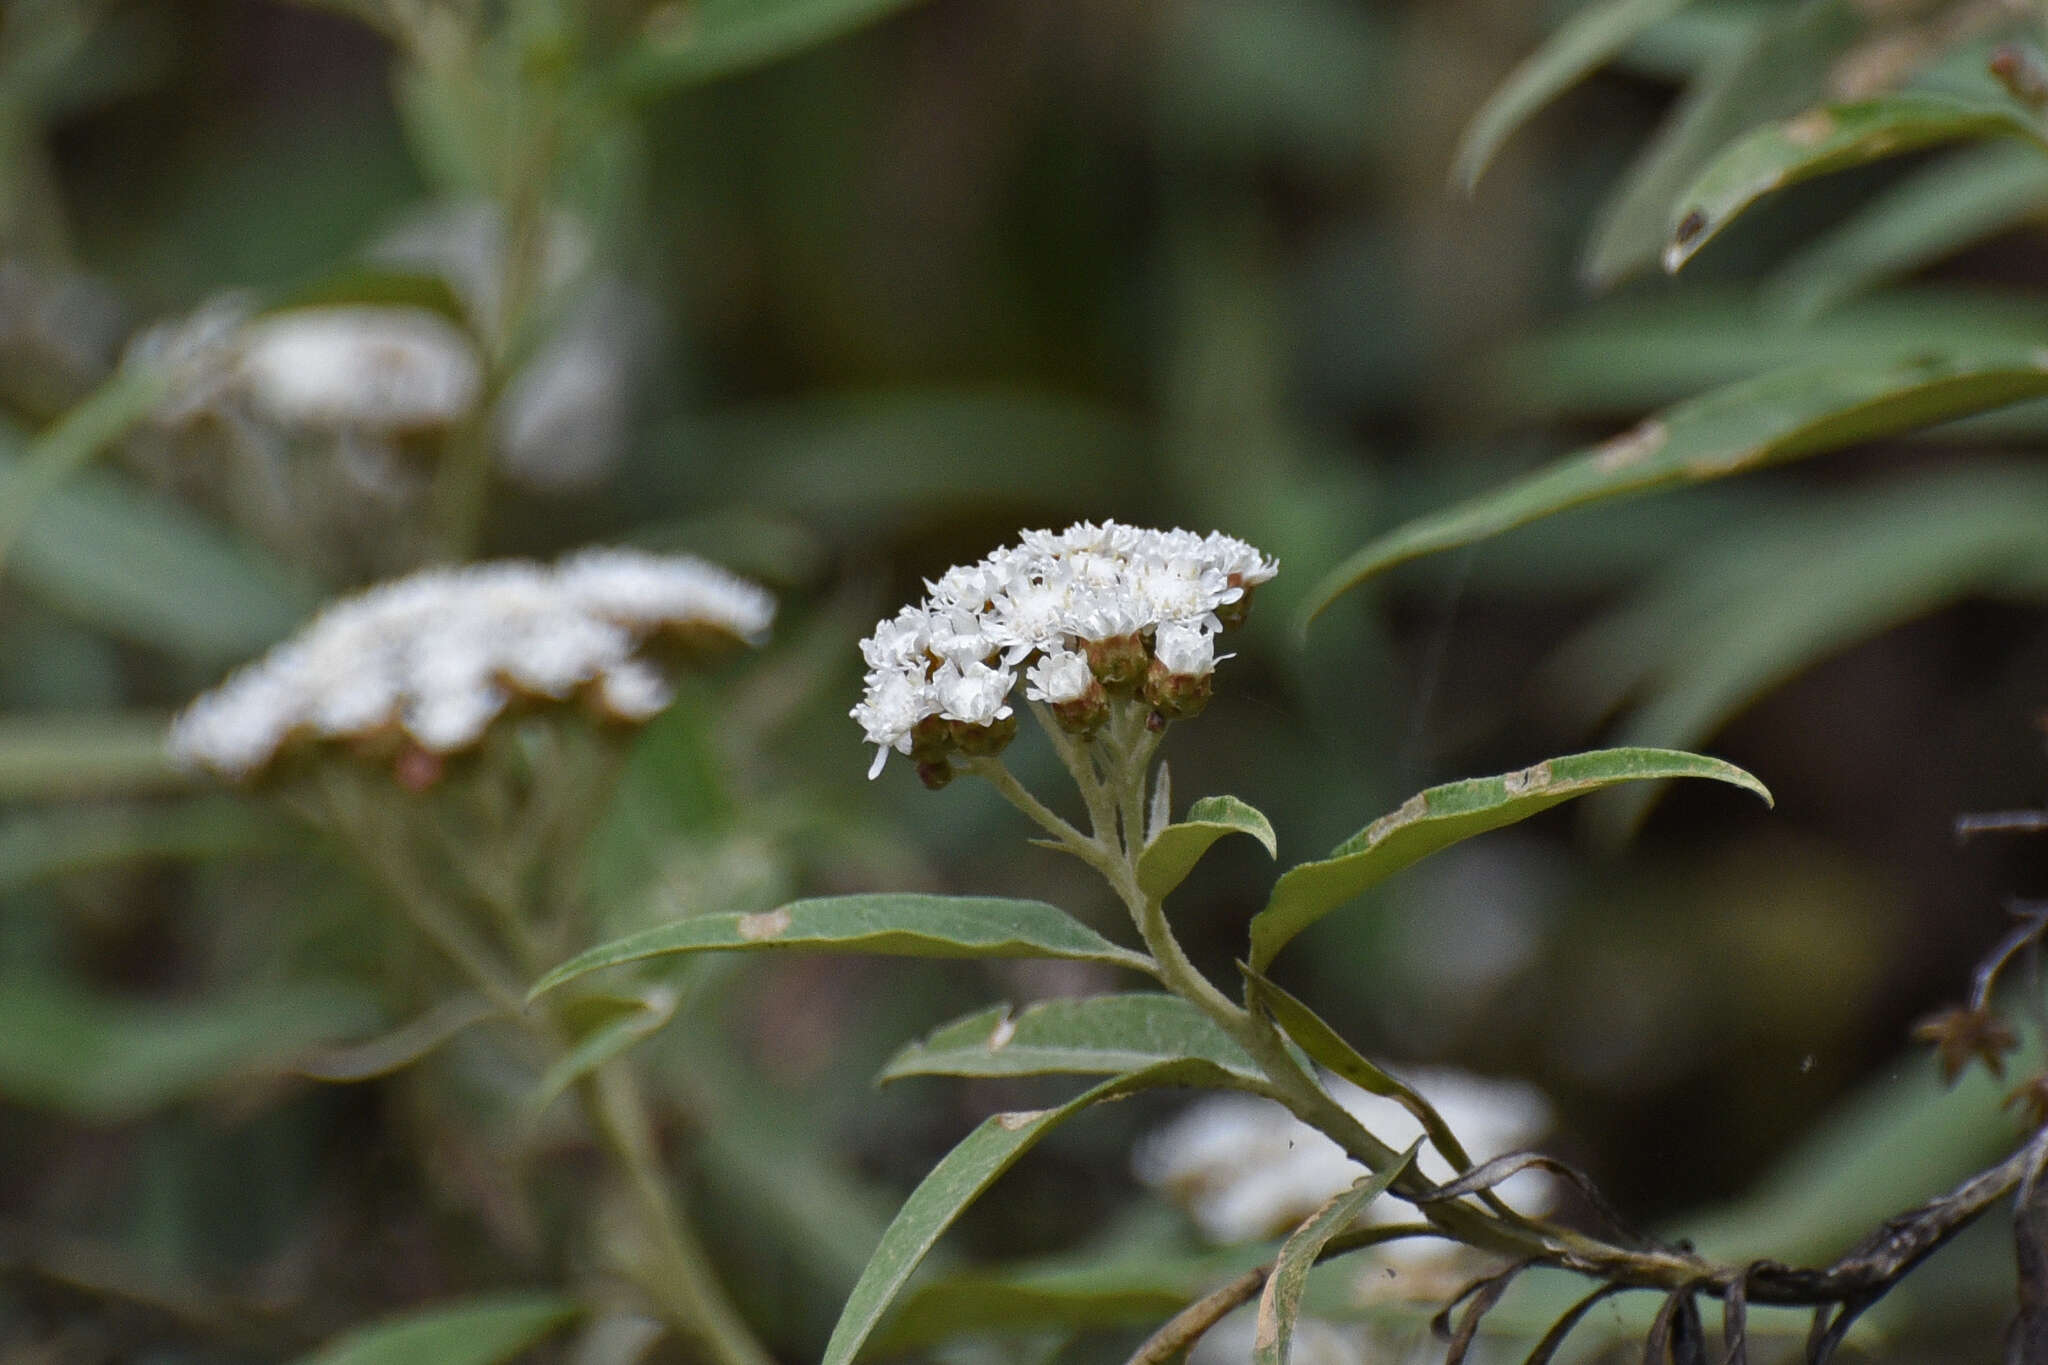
(1176, 696)
(1066, 684)
(1177, 683)
(985, 741)
(935, 775)
(931, 739)
(1118, 661)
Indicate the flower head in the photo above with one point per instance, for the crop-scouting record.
(373, 366)
(434, 658)
(1074, 612)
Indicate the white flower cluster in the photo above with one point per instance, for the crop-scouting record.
(374, 366)
(1097, 604)
(374, 369)
(436, 656)
(1245, 1168)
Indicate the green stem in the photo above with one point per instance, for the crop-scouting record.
(1017, 794)
(1079, 757)
(389, 861)
(679, 1277)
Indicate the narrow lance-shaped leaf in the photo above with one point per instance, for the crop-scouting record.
(104, 551)
(53, 841)
(73, 441)
(1779, 416)
(1327, 1048)
(1780, 64)
(1173, 852)
(1695, 646)
(1136, 1286)
(724, 37)
(47, 757)
(1583, 42)
(399, 1048)
(1441, 816)
(1100, 1035)
(475, 1331)
(1280, 1301)
(896, 925)
(959, 1179)
(624, 1026)
(1825, 139)
(1925, 216)
(105, 1058)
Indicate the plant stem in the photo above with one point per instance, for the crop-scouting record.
(1017, 794)
(680, 1277)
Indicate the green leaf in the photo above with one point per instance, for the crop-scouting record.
(46, 757)
(475, 1331)
(892, 924)
(1775, 417)
(1101, 1035)
(143, 568)
(1280, 1301)
(1441, 816)
(108, 1060)
(399, 1048)
(1327, 1047)
(1821, 140)
(37, 845)
(1587, 40)
(1132, 1287)
(71, 442)
(1174, 851)
(1780, 67)
(1698, 643)
(1926, 216)
(959, 1179)
(773, 1161)
(717, 38)
(625, 1026)
(1652, 349)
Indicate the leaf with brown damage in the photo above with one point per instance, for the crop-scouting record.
(1095, 1035)
(1826, 139)
(894, 925)
(1433, 820)
(1784, 415)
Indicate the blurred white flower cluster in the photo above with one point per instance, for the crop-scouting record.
(564, 416)
(434, 658)
(1107, 611)
(1245, 1168)
(370, 369)
(320, 428)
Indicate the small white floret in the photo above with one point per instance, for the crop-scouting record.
(974, 694)
(1185, 651)
(1059, 678)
